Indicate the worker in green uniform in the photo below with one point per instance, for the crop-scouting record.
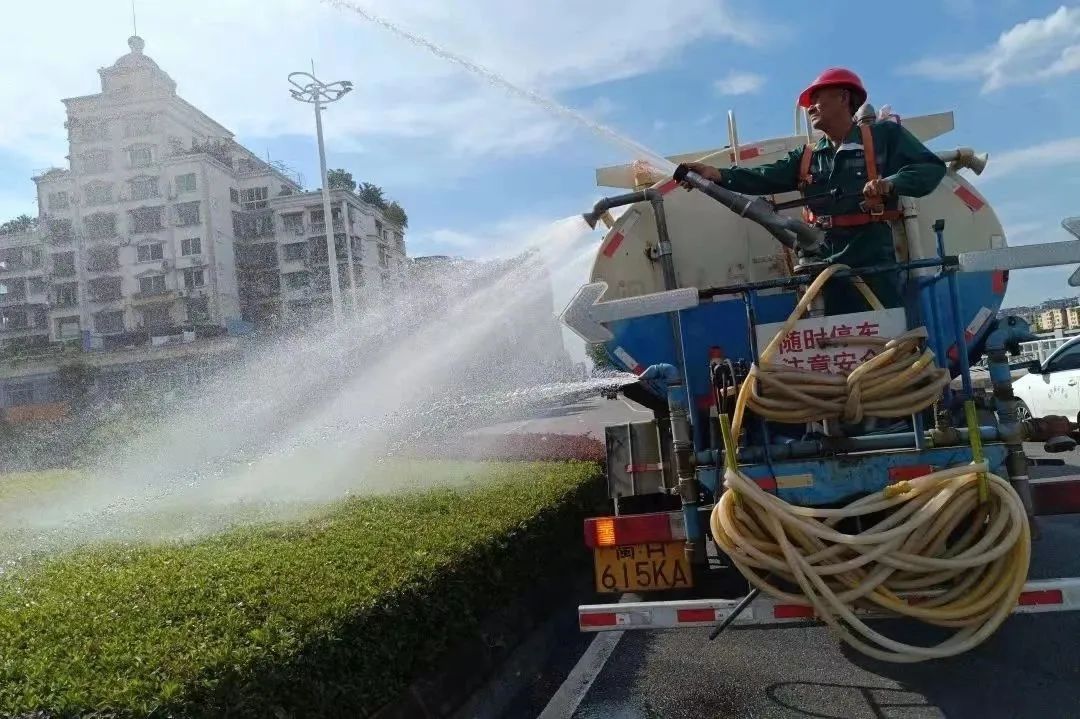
(856, 227)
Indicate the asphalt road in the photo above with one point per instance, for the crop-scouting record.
(1030, 668)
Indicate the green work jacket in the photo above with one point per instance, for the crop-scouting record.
(901, 158)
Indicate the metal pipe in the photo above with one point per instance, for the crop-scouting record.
(683, 451)
(963, 157)
(962, 363)
(671, 282)
(806, 449)
(1010, 333)
(607, 203)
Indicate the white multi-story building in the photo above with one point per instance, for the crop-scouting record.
(162, 221)
(283, 260)
(24, 288)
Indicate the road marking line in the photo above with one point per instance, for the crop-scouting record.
(631, 407)
(580, 679)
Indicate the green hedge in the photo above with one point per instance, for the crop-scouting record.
(331, 617)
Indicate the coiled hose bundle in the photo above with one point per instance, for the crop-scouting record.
(958, 538)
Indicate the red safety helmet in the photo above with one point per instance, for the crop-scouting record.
(835, 77)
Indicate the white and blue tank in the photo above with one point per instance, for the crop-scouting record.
(713, 247)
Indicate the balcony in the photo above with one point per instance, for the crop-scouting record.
(143, 299)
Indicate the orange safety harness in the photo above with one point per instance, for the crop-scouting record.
(875, 212)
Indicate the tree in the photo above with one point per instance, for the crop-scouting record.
(75, 381)
(396, 214)
(22, 223)
(599, 357)
(340, 180)
(372, 194)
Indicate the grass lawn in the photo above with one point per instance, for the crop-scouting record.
(333, 616)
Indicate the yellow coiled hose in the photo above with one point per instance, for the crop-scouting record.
(933, 537)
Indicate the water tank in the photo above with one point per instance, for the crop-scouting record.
(713, 247)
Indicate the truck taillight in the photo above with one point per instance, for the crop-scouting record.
(634, 529)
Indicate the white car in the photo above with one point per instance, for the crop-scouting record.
(1053, 387)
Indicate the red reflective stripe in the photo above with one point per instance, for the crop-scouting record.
(633, 468)
(1044, 596)
(792, 611)
(749, 153)
(638, 369)
(605, 619)
(613, 244)
(900, 474)
(705, 401)
(969, 198)
(1000, 278)
(767, 483)
(667, 187)
(696, 615)
(1061, 497)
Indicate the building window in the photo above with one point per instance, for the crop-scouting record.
(92, 129)
(105, 289)
(294, 251)
(66, 295)
(137, 125)
(60, 230)
(67, 328)
(293, 223)
(194, 277)
(156, 317)
(296, 280)
(152, 285)
(255, 198)
(378, 229)
(59, 200)
(109, 323)
(20, 394)
(100, 226)
(102, 259)
(141, 156)
(384, 260)
(234, 195)
(149, 253)
(198, 310)
(143, 188)
(97, 161)
(187, 214)
(185, 183)
(146, 219)
(63, 264)
(97, 193)
(191, 246)
(36, 285)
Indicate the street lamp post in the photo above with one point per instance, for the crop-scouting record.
(312, 90)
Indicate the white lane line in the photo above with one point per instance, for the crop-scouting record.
(581, 677)
(633, 408)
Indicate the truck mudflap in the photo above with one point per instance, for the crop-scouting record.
(1039, 596)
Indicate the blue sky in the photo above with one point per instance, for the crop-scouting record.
(478, 170)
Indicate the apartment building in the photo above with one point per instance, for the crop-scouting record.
(24, 290)
(283, 260)
(162, 222)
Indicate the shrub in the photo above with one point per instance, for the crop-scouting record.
(332, 617)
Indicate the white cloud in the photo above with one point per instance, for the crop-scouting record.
(1065, 151)
(1032, 51)
(739, 83)
(232, 62)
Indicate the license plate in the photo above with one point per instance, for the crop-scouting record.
(642, 567)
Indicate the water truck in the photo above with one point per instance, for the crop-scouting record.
(802, 466)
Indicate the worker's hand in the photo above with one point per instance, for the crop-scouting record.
(707, 171)
(877, 189)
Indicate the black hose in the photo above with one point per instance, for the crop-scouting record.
(789, 232)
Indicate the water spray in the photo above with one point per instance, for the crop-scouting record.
(662, 164)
